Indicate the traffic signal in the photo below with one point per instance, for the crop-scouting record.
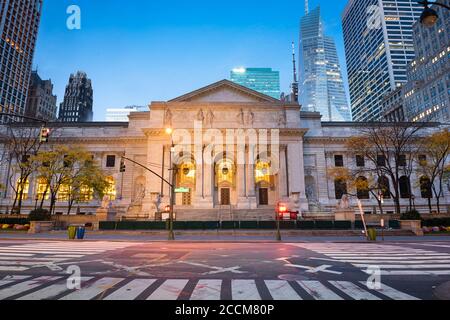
(44, 136)
(123, 167)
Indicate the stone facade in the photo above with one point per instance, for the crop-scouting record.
(219, 183)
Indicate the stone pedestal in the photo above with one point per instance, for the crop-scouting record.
(41, 226)
(105, 214)
(412, 225)
(345, 215)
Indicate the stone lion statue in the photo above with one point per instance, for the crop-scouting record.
(344, 203)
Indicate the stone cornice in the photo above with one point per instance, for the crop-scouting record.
(283, 131)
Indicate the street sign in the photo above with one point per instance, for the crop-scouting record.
(182, 190)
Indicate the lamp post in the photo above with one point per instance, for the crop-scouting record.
(429, 16)
(169, 131)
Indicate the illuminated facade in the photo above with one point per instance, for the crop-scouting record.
(19, 24)
(321, 85)
(379, 45)
(427, 93)
(237, 154)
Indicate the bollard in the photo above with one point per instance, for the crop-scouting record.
(372, 235)
(72, 231)
(81, 232)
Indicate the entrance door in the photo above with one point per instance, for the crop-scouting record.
(225, 197)
(264, 197)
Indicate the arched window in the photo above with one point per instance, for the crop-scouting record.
(405, 187)
(64, 192)
(110, 190)
(225, 173)
(426, 188)
(362, 188)
(383, 184)
(187, 174)
(263, 172)
(340, 188)
(42, 189)
(24, 188)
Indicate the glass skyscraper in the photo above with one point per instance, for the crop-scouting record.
(263, 80)
(379, 45)
(19, 24)
(321, 85)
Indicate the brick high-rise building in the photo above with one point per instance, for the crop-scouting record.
(41, 102)
(19, 24)
(78, 99)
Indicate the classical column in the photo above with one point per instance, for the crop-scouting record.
(154, 162)
(251, 190)
(204, 190)
(297, 175)
(282, 174)
(242, 202)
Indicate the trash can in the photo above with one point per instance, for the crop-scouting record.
(72, 232)
(81, 231)
(372, 234)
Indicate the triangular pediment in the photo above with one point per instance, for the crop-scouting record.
(225, 91)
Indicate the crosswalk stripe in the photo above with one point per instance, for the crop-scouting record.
(244, 290)
(393, 293)
(131, 290)
(353, 291)
(406, 255)
(318, 291)
(169, 290)
(67, 256)
(404, 266)
(207, 290)
(31, 259)
(11, 279)
(414, 273)
(17, 254)
(396, 261)
(50, 291)
(14, 269)
(25, 286)
(91, 291)
(281, 290)
(393, 258)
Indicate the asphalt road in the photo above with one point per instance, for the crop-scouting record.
(40, 269)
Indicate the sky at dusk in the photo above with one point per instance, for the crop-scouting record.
(139, 51)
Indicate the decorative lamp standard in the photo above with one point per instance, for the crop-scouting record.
(429, 16)
(169, 131)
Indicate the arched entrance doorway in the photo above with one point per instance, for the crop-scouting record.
(225, 181)
(186, 180)
(264, 181)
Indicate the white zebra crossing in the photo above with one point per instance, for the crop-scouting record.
(390, 259)
(44, 288)
(16, 258)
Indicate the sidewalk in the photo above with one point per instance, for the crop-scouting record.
(263, 236)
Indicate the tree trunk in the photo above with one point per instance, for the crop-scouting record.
(429, 205)
(70, 207)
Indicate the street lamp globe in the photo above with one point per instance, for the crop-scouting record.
(429, 17)
(169, 131)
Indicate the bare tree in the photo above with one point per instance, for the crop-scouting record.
(434, 165)
(391, 149)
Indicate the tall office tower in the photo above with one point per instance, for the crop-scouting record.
(19, 24)
(263, 80)
(78, 99)
(41, 103)
(321, 85)
(379, 45)
(427, 93)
